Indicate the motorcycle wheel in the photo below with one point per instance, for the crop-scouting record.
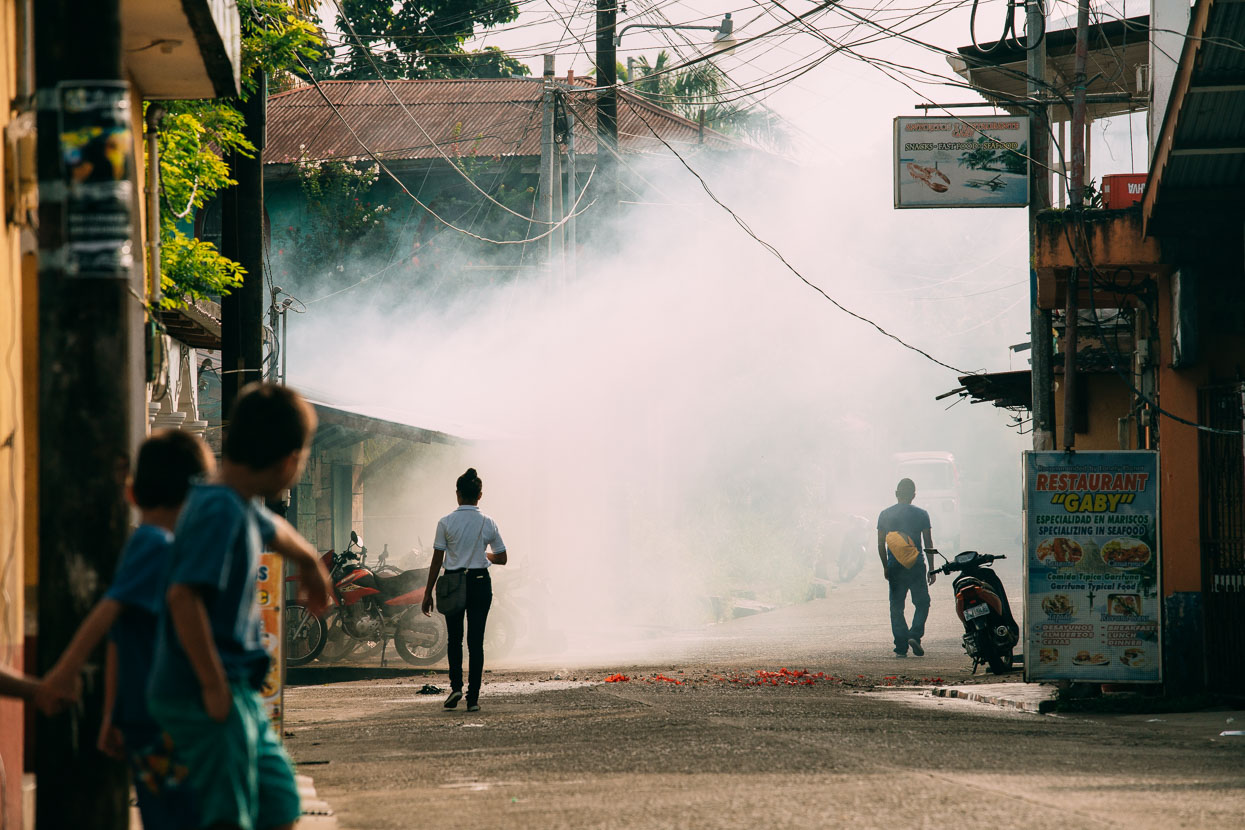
(421, 642)
(305, 635)
(1000, 663)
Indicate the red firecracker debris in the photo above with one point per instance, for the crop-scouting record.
(617, 678)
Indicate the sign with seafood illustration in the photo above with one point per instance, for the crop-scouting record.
(1092, 566)
(962, 162)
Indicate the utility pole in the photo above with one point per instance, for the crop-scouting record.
(1075, 203)
(1042, 381)
(276, 351)
(547, 151)
(572, 187)
(89, 377)
(242, 240)
(607, 105)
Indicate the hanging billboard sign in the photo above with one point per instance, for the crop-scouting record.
(962, 162)
(1092, 567)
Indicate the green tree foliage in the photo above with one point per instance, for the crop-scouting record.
(196, 136)
(705, 88)
(423, 39)
(192, 137)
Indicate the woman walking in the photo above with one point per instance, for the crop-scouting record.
(466, 590)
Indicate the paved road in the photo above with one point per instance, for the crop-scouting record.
(709, 752)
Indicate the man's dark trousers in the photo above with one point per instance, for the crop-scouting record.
(479, 598)
(902, 580)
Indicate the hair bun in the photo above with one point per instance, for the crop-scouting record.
(471, 473)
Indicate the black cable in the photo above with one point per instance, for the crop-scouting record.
(1091, 271)
(778, 255)
(1010, 37)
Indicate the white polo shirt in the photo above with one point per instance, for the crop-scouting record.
(464, 535)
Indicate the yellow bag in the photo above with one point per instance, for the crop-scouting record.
(902, 548)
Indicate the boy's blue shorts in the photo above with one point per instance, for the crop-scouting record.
(238, 770)
(165, 798)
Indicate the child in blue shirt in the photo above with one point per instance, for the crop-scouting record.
(209, 659)
(128, 613)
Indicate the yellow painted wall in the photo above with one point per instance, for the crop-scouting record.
(1109, 399)
(13, 445)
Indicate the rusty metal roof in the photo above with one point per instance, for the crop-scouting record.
(1198, 172)
(486, 117)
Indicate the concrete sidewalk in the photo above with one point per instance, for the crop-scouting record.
(317, 815)
(1027, 697)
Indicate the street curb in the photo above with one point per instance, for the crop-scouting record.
(1038, 707)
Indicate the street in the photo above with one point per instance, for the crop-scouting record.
(861, 746)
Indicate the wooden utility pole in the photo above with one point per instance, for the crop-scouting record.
(1076, 203)
(89, 376)
(607, 106)
(1042, 381)
(547, 152)
(572, 187)
(242, 240)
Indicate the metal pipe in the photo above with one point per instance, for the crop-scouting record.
(155, 113)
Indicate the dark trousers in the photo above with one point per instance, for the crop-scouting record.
(902, 581)
(479, 598)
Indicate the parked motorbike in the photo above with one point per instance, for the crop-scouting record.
(990, 630)
(854, 548)
(371, 610)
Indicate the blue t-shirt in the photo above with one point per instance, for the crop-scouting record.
(139, 587)
(906, 518)
(216, 548)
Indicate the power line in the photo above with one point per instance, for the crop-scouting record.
(428, 209)
(779, 256)
(372, 61)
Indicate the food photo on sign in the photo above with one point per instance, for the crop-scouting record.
(1092, 567)
(961, 162)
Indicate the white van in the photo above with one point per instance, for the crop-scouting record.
(937, 491)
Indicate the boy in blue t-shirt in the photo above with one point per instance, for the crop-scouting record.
(209, 658)
(129, 611)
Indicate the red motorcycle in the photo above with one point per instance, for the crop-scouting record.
(371, 609)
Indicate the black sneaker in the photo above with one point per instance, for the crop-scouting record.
(451, 702)
(473, 707)
(898, 653)
(915, 645)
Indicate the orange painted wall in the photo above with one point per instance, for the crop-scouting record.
(1178, 461)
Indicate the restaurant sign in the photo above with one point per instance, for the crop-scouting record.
(962, 162)
(1092, 567)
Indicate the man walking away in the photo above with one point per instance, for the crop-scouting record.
(901, 529)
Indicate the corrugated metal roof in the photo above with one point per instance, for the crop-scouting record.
(484, 117)
(1116, 48)
(1202, 142)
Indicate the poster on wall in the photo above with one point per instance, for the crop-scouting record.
(270, 595)
(1092, 567)
(962, 162)
(97, 160)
